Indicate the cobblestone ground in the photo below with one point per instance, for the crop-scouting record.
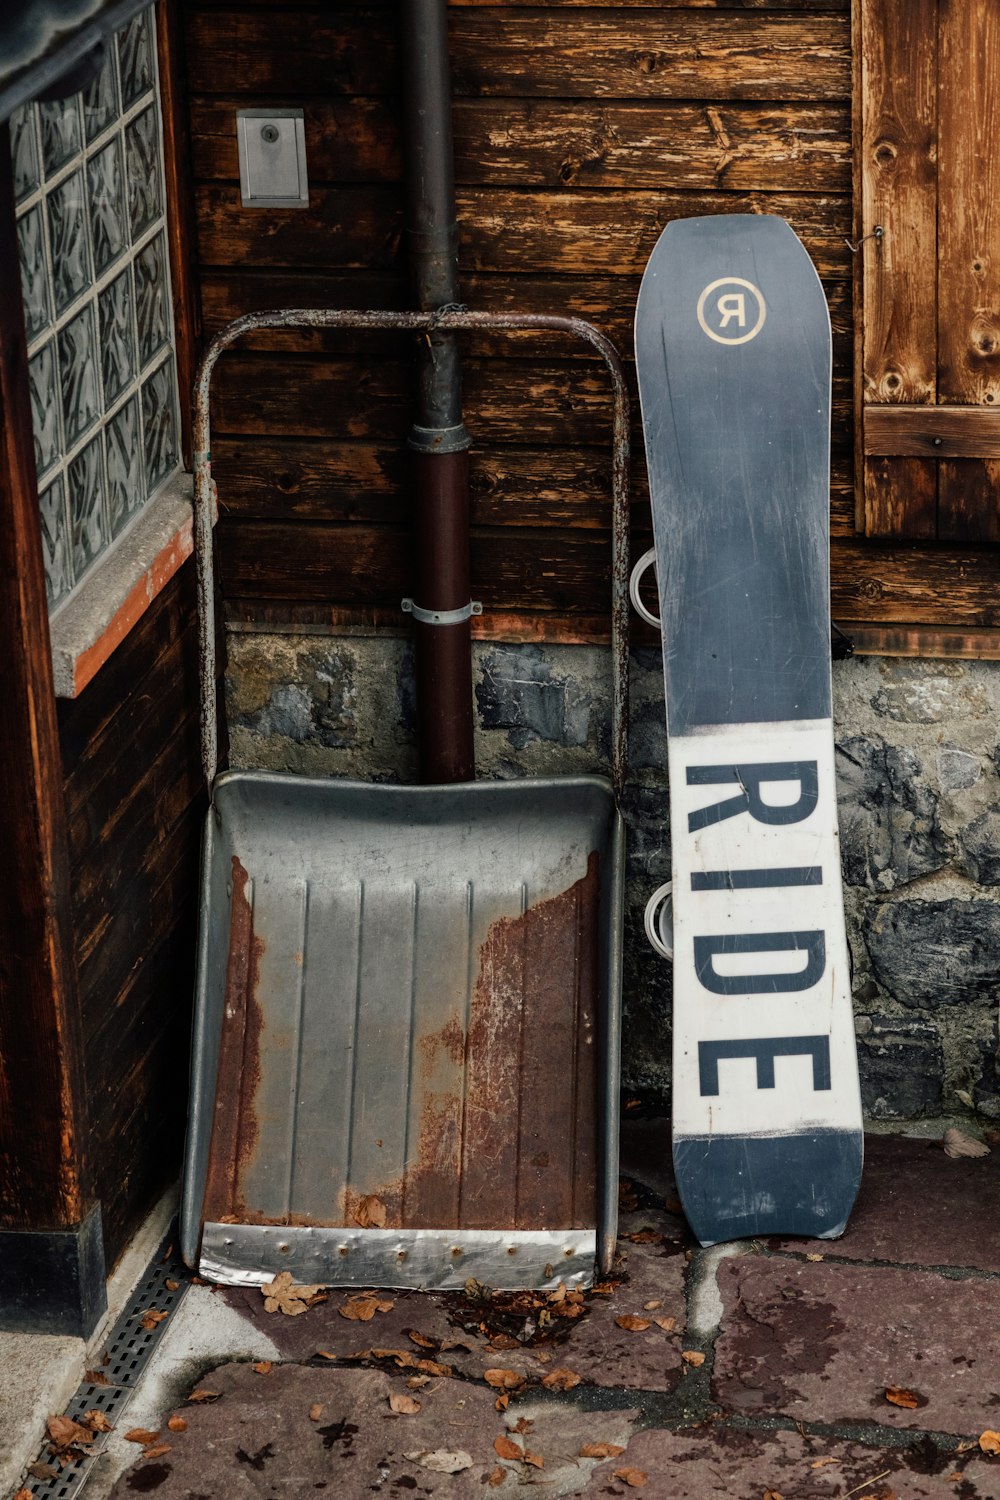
(868, 1367)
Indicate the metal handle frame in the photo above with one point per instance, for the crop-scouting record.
(204, 504)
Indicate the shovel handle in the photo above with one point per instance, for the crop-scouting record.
(204, 504)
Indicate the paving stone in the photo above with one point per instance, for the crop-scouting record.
(714, 1462)
(595, 1347)
(919, 1207)
(258, 1439)
(822, 1343)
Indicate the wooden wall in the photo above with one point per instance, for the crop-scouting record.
(135, 805)
(579, 131)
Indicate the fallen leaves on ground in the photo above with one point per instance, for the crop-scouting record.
(534, 1459)
(324, 1354)
(263, 1367)
(96, 1421)
(821, 1463)
(283, 1295)
(631, 1323)
(668, 1325)
(502, 1402)
(627, 1200)
(363, 1308)
(95, 1377)
(151, 1317)
(634, 1477)
(441, 1460)
(900, 1396)
(504, 1380)
(202, 1393)
(561, 1379)
(957, 1143)
(644, 1237)
(157, 1450)
(64, 1433)
(989, 1441)
(420, 1339)
(142, 1435)
(814, 1256)
(652, 1306)
(772, 1495)
(693, 1357)
(316, 1411)
(171, 1286)
(601, 1450)
(42, 1471)
(177, 1424)
(370, 1213)
(514, 1320)
(23, 1495)
(505, 1447)
(403, 1405)
(497, 1477)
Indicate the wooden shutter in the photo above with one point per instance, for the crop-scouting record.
(928, 392)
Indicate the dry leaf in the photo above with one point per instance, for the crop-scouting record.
(441, 1461)
(95, 1377)
(414, 1382)
(505, 1448)
(692, 1357)
(23, 1495)
(177, 1424)
(667, 1324)
(772, 1495)
(601, 1450)
(504, 1380)
(151, 1317)
(633, 1324)
(316, 1411)
(282, 1295)
(324, 1354)
(497, 1477)
(40, 1471)
(204, 1394)
(814, 1257)
(989, 1441)
(561, 1379)
(957, 1143)
(362, 1309)
(403, 1405)
(96, 1421)
(422, 1341)
(534, 1459)
(432, 1367)
(899, 1396)
(502, 1402)
(63, 1432)
(263, 1367)
(652, 1306)
(634, 1477)
(370, 1213)
(171, 1286)
(821, 1463)
(157, 1451)
(142, 1435)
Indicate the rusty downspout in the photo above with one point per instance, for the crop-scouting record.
(438, 440)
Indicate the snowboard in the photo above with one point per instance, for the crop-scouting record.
(733, 352)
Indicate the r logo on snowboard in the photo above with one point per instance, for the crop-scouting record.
(731, 310)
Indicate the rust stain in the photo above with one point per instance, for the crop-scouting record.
(234, 1127)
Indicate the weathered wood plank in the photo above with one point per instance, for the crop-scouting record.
(676, 54)
(506, 51)
(899, 193)
(915, 585)
(901, 498)
(967, 500)
(933, 431)
(500, 229)
(968, 218)
(544, 143)
(45, 1181)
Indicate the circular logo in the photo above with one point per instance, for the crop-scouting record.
(731, 310)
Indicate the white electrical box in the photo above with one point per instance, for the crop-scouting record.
(272, 147)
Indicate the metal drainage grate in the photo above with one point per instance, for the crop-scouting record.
(123, 1359)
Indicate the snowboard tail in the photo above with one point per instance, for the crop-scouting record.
(733, 356)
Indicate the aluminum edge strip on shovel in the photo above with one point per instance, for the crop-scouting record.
(414, 1259)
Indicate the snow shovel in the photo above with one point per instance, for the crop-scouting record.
(407, 1019)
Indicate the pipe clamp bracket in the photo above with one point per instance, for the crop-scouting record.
(442, 616)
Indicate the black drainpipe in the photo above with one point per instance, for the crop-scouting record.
(438, 439)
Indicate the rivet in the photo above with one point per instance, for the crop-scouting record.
(401, 1254)
(456, 1249)
(569, 1251)
(511, 1249)
(937, 441)
(342, 1250)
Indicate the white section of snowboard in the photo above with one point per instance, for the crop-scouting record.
(701, 1017)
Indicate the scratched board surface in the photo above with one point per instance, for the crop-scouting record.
(733, 354)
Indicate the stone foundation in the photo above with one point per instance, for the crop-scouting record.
(919, 776)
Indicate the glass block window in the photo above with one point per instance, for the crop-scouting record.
(88, 180)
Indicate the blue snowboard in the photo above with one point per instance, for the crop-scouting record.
(733, 353)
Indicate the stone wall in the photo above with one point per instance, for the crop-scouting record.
(919, 781)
